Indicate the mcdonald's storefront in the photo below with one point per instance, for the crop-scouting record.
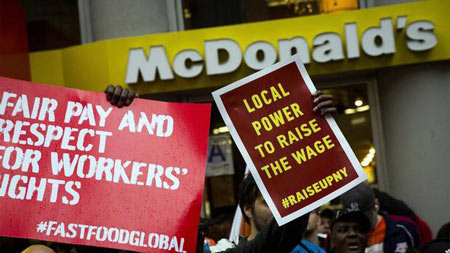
(387, 67)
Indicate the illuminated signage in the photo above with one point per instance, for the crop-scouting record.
(327, 46)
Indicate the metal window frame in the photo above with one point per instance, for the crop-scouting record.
(84, 16)
(175, 15)
(375, 120)
(363, 4)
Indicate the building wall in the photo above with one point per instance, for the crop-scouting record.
(414, 102)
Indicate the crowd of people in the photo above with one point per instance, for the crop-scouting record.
(368, 220)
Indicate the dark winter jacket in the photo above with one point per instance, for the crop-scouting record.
(398, 237)
(274, 238)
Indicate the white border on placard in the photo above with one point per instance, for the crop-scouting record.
(337, 132)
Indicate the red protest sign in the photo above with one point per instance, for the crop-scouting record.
(299, 159)
(75, 169)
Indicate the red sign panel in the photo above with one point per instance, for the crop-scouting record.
(299, 159)
(75, 169)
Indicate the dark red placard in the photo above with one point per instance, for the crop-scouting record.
(280, 95)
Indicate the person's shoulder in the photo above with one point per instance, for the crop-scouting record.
(297, 249)
(407, 224)
(397, 226)
(222, 245)
(313, 247)
(398, 235)
(391, 225)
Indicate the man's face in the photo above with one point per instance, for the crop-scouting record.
(324, 225)
(347, 236)
(261, 214)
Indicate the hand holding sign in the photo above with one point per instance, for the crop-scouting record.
(117, 95)
(323, 103)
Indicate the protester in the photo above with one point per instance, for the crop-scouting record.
(38, 248)
(386, 235)
(349, 231)
(444, 232)
(310, 241)
(323, 229)
(266, 235)
(254, 208)
(325, 218)
(436, 246)
(401, 213)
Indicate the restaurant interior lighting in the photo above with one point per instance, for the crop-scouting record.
(357, 109)
(368, 158)
(363, 108)
(221, 130)
(349, 111)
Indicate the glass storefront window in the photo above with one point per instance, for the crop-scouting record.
(205, 13)
(353, 118)
(51, 24)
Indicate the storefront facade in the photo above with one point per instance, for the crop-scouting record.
(388, 68)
